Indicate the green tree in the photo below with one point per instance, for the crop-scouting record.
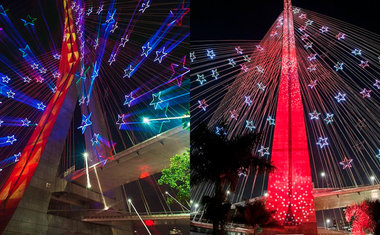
(177, 176)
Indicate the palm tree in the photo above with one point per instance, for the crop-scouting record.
(255, 214)
(219, 159)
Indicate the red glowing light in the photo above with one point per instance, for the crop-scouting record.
(149, 222)
(290, 186)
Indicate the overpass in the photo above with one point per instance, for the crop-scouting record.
(325, 199)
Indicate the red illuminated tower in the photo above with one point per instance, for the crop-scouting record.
(290, 186)
(14, 188)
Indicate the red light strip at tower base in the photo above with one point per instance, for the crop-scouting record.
(290, 186)
(15, 186)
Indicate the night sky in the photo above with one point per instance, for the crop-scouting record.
(250, 20)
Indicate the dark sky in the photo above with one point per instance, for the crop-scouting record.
(250, 19)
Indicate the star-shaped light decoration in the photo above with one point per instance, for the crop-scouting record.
(346, 163)
(312, 57)
(121, 120)
(324, 29)
(247, 100)
(6, 79)
(312, 84)
(377, 84)
(220, 131)
(247, 58)
(305, 36)
(322, 142)
(25, 122)
(249, 125)
(364, 64)
(124, 40)
(156, 100)
(96, 43)
(239, 50)
(210, 53)
(17, 157)
(40, 79)
(308, 45)
(244, 68)
(179, 71)
(340, 36)
(11, 139)
(95, 139)
(129, 98)
(128, 71)
(201, 79)
(27, 79)
(234, 114)
(41, 106)
(144, 6)
(314, 115)
(56, 74)
(178, 13)
(214, 73)
(338, 66)
(340, 97)
(271, 120)
(329, 118)
(160, 55)
(309, 22)
(259, 69)
(261, 86)
(296, 10)
(42, 70)
(366, 93)
(259, 48)
(273, 34)
(302, 28)
(29, 20)
(146, 49)
(89, 11)
(231, 62)
(356, 52)
(112, 58)
(192, 56)
(202, 104)
(263, 151)
(1, 122)
(34, 66)
(100, 9)
(11, 94)
(82, 100)
(24, 51)
(312, 68)
(85, 122)
(302, 16)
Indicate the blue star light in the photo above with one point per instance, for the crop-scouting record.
(329, 118)
(338, 66)
(210, 53)
(247, 100)
(263, 151)
(146, 49)
(24, 50)
(340, 97)
(214, 73)
(128, 99)
(201, 79)
(85, 122)
(249, 125)
(271, 120)
(156, 100)
(314, 115)
(322, 142)
(160, 55)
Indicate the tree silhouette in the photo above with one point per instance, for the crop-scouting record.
(218, 159)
